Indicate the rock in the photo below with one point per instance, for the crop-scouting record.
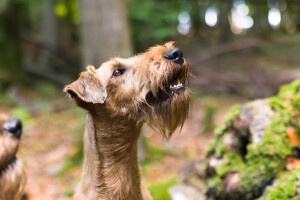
(261, 119)
(252, 151)
(185, 192)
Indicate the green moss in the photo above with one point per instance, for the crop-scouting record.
(221, 149)
(211, 147)
(232, 114)
(264, 161)
(217, 145)
(159, 191)
(290, 89)
(234, 164)
(220, 130)
(216, 184)
(284, 188)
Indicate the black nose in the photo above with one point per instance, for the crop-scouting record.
(175, 55)
(13, 126)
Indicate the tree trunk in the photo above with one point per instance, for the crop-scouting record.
(224, 23)
(105, 30)
(49, 34)
(11, 54)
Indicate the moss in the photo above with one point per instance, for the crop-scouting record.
(220, 130)
(232, 114)
(285, 187)
(220, 148)
(291, 89)
(159, 191)
(262, 162)
(234, 164)
(217, 145)
(211, 147)
(216, 184)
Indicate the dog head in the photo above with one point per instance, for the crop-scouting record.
(12, 175)
(150, 87)
(10, 133)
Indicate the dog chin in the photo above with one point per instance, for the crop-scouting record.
(167, 115)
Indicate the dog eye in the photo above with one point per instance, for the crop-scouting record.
(118, 72)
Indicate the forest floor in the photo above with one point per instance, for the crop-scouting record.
(52, 140)
(51, 144)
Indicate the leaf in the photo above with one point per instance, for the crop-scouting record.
(292, 163)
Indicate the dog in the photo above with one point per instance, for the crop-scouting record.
(119, 97)
(12, 174)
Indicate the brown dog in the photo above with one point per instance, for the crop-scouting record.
(12, 174)
(120, 96)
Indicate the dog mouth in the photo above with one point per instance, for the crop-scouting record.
(173, 84)
(11, 162)
(176, 85)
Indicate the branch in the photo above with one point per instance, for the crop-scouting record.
(223, 49)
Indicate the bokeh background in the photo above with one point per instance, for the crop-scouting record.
(238, 50)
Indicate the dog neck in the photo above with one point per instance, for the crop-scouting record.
(110, 169)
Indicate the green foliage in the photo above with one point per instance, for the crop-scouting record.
(74, 161)
(152, 21)
(5, 98)
(69, 193)
(68, 9)
(153, 154)
(209, 119)
(159, 191)
(77, 158)
(46, 90)
(22, 114)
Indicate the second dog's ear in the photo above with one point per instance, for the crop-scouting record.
(87, 88)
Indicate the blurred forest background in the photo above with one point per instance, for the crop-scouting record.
(238, 50)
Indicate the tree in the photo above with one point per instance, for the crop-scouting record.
(105, 30)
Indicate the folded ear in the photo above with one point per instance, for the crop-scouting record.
(87, 88)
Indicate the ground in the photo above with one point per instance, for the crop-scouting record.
(50, 140)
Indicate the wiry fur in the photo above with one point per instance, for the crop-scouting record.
(12, 174)
(117, 108)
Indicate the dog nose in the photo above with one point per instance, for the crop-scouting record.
(14, 127)
(174, 55)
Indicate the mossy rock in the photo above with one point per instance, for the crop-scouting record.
(249, 152)
(250, 149)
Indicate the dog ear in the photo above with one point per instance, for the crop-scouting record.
(87, 88)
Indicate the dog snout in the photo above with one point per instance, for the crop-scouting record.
(14, 127)
(174, 55)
